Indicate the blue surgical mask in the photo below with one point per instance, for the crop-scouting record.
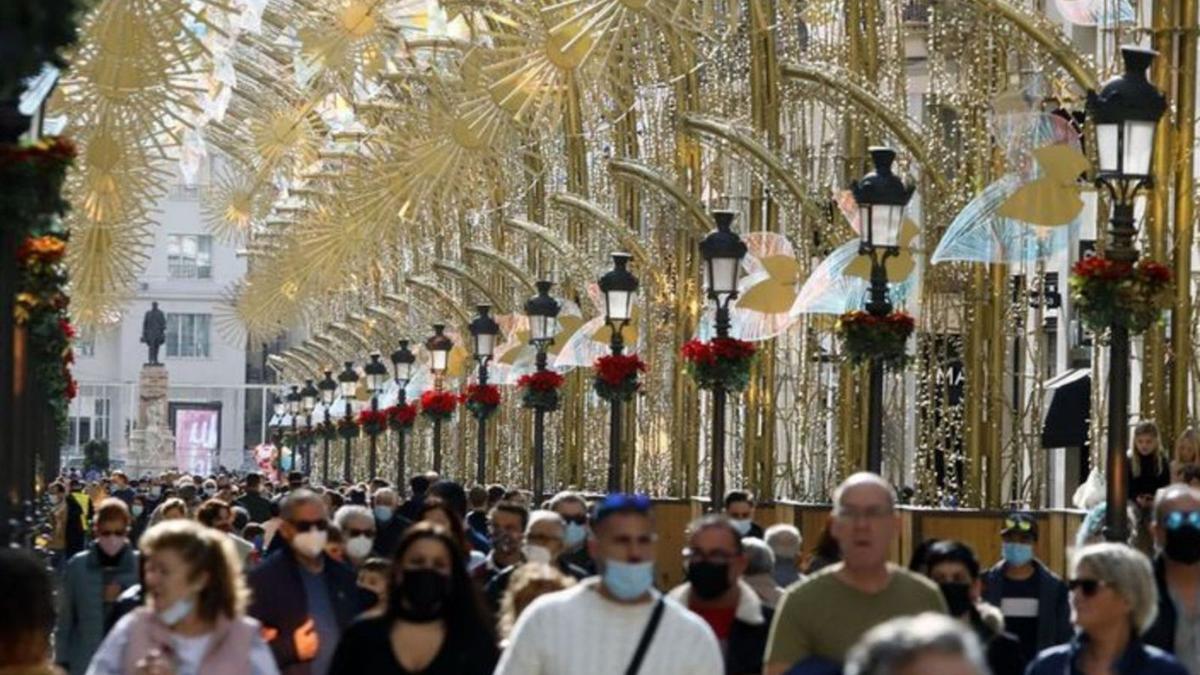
(383, 513)
(628, 581)
(1016, 554)
(742, 525)
(575, 535)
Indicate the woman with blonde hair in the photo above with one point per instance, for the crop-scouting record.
(1187, 453)
(172, 508)
(195, 622)
(1149, 470)
(529, 582)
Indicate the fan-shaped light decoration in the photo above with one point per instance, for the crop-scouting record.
(1054, 197)
(1103, 13)
(767, 291)
(231, 205)
(829, 290)
(898, 267)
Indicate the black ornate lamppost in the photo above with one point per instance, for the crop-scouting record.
(329, 389)
(484, 330)
(723, 251)
(293, 408)
(348, 383)
(438, 345)
(1126, 114)
(542, 311)
(619, 287)
(881, 196)
(403, 361)
(308, 403)
(376, 372)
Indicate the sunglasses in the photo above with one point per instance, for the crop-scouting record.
(307, 525)
(1020, 525)
(1088, 587)
(578, 520)
(1178, 519)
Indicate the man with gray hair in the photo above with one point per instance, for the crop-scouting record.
(543, 544)
(785, 540)
(389, 524)
(357, 525)
(1176, 530)
(917, 645)
(821, 618)
(760, 566)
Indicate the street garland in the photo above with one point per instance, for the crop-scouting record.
(865, 336)
(373, 422)
(401, 417)
(540, 390)
(617, 376)
(721, 362)
(438, 405)
(1109, 292)
(481, 399)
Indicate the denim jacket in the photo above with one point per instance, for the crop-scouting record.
(1138, 659)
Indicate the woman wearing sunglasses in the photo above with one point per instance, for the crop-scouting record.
(1113, 602)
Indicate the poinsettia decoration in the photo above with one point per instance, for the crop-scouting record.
(1110, 292)
(482, 400)
(401, 417)
(347, 427)
(866, 336)
(438, 405)
(541, 390)
(617, 376)
(373, 422)
(721, 362)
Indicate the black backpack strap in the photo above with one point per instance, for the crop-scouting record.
(647, 637)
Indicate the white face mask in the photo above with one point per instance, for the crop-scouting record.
(359, 547)
(311, 543)
(177, 612)
(55, 499)
(537, 554)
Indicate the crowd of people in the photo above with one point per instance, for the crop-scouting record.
(186, 575)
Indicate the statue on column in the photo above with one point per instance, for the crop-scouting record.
(154, 332)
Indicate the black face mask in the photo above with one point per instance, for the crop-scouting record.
(709, 580)
(420, 597)
(958, 597)
(1183, 545)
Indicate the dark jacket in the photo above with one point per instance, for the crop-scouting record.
(1162, 632)
(581, 559)
(81, 612)
(495, 588)
(258, 506)
(1138, 659)
(1003, 650)
(747, 642)
(279, 603)
(1054, 612)
(756, 531)
(387, 535)
(74, 534)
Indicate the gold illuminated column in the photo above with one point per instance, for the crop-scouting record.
(1185, 138)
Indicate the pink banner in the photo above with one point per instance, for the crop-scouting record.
(196, 433)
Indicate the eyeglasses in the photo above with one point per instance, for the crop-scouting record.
(578, 520)
(872, 513)
(1018, 524)
(1088, 587)
(1177, 519)
(307, 525)
(352, 532)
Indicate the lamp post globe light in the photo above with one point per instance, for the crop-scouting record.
(619, 287)
(1126, 113)
(376, 375)
(881, 197)
(484, 330)
(348, 384)
(308, 403)
(403, 364)
(542, 311)
(722, 251)
(438, 345)
(329, 390)
(293, 408)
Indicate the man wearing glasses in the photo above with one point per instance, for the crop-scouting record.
(616, 622)
(304, 599)
(1032, 598)
(821, 618)
(1176, 531)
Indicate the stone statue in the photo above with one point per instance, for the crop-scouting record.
(154, 331)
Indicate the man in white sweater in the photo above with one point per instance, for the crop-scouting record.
(598, 625)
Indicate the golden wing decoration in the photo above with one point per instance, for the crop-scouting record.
(776, 294)
(898, 266)
(629, 331)
(1052, 199)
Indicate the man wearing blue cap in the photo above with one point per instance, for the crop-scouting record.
(615, 622)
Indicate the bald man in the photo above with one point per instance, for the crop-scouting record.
(821, 618)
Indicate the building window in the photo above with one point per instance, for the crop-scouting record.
(189, 256)
(85, 345)
(187, 335)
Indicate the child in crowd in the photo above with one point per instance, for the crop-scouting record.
(373, 576)
(1187, 454)
(1149, 470)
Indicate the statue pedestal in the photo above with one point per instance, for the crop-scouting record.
(151, 445)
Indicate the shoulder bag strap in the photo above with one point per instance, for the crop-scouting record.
(647, 637)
